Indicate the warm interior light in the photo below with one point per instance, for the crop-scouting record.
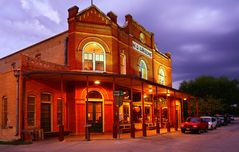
(145, 96)
(150, 90)
(168, 93)
(184, 99)
(97, 82)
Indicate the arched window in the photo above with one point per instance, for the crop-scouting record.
(143, 72)
(93, 57)
(122, 63)
(161, 76)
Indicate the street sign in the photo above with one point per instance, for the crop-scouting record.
(118, 93)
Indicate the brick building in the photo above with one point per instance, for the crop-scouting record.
(95, 74)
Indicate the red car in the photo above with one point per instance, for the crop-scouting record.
(194, 124)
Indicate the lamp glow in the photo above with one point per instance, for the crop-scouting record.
(97, 82)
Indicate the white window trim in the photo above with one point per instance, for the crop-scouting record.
(93, 56)
(146, 69)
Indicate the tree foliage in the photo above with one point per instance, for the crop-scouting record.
(216, 94)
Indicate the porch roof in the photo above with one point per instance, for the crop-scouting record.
(127, 81)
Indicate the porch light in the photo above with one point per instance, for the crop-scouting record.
(97, 82)
(168, 93)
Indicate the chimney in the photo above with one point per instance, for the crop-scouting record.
(112, 16)
(72, 12)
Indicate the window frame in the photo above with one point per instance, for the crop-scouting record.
(141, 75)
(161, 76)
(122, 63)
(96, 57)
(34, 111)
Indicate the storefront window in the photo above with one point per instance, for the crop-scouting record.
(143, 70)
(93, 57)
(161, 76)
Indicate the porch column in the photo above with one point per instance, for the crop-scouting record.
(143, 113)
(158, 112)
(61, 127)
(176, 113)
(189, 107)
(169, 105)
(182, 111)
(132, 130)
(87, 131)
(196, 106)
(115, 113)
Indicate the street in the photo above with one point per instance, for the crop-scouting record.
(223, 139)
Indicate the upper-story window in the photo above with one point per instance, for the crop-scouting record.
(122, 63)
(143, 72)
(94, 57)
(161, 76)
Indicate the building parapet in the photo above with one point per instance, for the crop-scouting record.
(29, 63)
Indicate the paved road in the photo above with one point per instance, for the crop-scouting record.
(223, 139)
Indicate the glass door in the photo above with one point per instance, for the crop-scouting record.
(95, 116)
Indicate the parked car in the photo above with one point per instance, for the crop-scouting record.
(223, 121)
(219, 121)
(212, 121)
(194, 124)
(231, 117)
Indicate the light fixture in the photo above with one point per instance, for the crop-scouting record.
(145, 96)
(184, 99)
(150, 90)
(168, 93)
(97, 82)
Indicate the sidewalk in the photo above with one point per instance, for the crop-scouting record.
(109, 136)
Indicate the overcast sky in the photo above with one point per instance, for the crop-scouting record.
(202, 35)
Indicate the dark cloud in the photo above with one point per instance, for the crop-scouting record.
(202, 36)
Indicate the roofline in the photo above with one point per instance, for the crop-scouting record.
(19, 51)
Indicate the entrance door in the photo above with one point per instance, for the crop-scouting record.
(95, 116)
(46, 117)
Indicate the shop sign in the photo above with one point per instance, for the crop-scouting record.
(141, 49)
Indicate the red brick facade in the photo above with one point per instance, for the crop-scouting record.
(61, 68)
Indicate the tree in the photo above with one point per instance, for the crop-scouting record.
(216, 94)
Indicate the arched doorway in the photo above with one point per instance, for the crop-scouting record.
(95, 111)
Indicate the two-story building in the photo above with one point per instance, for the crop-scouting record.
(95, 76)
